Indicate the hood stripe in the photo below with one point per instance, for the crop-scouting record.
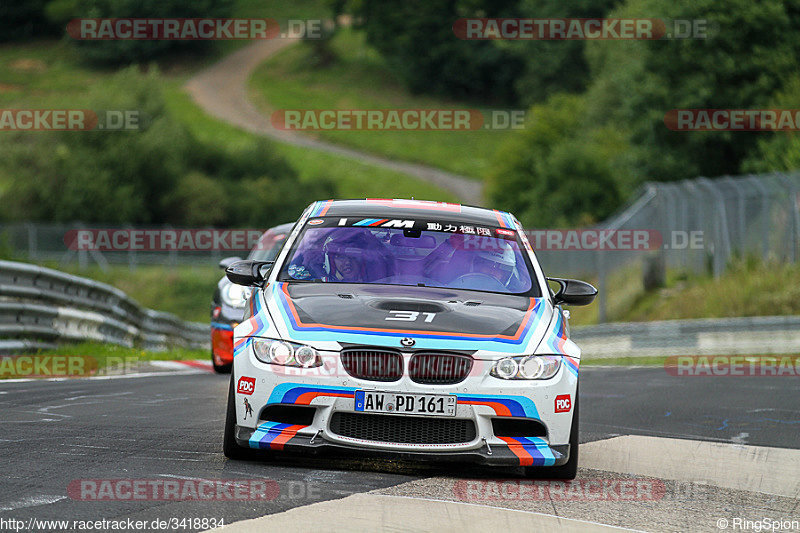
(312, 331)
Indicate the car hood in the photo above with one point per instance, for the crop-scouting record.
(383, 315)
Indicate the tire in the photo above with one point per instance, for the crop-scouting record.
(230, 447)
(220, 369)
(568, 470)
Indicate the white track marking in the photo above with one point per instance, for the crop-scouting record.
(31, 501)
(184, 372)
(733, 466)
(400, 513)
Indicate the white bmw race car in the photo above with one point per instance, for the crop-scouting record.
(409, 329)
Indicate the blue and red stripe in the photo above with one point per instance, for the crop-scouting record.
(255, 321)
(572, 364)
(504, 405)
(299, 394)
(531, 451)
(558, 336)
(320, 208)
(309, 332)
(371, 222)
(273, 435)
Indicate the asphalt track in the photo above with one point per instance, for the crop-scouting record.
(170, 427)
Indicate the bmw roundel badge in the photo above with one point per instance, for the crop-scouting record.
(408, 342)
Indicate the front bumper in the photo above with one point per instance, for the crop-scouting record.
(485, 455)
(481, 399)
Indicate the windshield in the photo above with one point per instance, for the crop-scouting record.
(268, 247)
(447, 255)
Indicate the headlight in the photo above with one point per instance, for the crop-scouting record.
(277, 352)
(527, 367)
(236, 295)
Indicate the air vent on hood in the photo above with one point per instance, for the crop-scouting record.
(472, 303)
(345, 296)
(406, 305)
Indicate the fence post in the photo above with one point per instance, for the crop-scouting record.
(756, 182)
(602, 294)
(794, 210)
(32, 244)
(131, 252)
(722, 248)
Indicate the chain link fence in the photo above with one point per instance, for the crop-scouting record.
(697, 226)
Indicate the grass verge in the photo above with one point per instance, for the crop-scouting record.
(360, 79)
(353, 179)
(184, 290)
(748, 288)
(49, 74)
(624, 361)
(87, 358)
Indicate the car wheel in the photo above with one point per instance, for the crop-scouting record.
(230, 447)
(569, 469)
(220, 369)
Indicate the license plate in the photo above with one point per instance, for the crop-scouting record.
(405, 404)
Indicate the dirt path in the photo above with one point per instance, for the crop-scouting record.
(221, 90)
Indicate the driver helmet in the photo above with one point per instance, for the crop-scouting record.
(344, 245)
(499, 263)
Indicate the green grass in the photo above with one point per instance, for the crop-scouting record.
(274, 9)
(50, 74)
(88, 357)
(353, 179)
(185, 290)
(747, 288)
(624, 361)
(38, 73)
(359, 79)
(282, 10)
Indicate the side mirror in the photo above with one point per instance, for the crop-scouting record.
(228, 261)
(573, 292)
(249, 272)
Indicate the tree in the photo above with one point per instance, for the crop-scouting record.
(417, 40)
(554, 173)
(116, 52)
(556, 66)
(21, 19)
(749, 51)
(157, 174)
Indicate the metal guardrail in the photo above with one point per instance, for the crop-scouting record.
(708, 336)
(40, 307)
